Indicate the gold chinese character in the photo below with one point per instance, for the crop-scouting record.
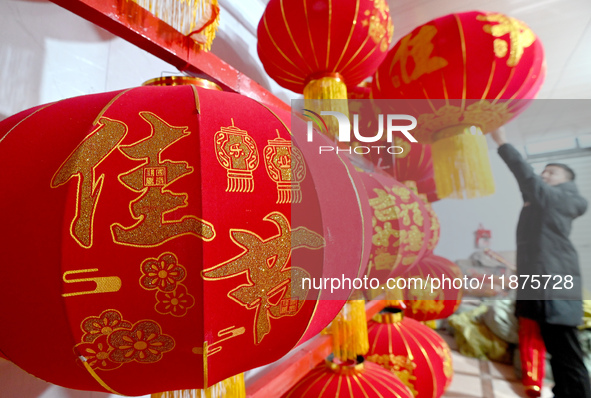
(419, 48)
(520, 36)
(82, 164)
(265, 263)
(384, 206)
(155, 201)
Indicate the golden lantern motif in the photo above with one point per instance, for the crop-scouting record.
(285, 165)
(237, 153)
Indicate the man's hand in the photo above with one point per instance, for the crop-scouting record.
(499, 136)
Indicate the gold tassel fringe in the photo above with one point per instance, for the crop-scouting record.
(349, 331)
(461, 163)
(431, 323)
(232, 387)
(196, 18)
(327, 93)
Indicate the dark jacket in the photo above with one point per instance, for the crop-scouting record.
(544, 247)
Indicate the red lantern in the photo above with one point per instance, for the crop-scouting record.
(416, 164)
(412, 351)
(401, 227)
(471, 73)
(160, 231)
(305, 43)
(349, 379)
(437, 297)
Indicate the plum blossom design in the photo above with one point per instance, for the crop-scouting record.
(103, 325)
(176, 303)
(144, 343)
(162, 273)
(97, 353)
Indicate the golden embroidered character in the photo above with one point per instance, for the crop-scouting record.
(82, 164)
(418, 48)
(265, 263)
(152, 179)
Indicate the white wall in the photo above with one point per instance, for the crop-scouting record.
(48, 54)
(499, 212)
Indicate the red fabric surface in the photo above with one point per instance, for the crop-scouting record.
(450, 65)
(414, 353)
(341, 381)
(422, 304)
(401, 227)
(300, 38)
(122, 202)
(533, 356)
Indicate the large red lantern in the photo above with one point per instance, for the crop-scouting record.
(165, 231)
(470, 73)
(440, 293)
(351, 379)
(415, 165)
(306, 40)
(318, 47)
(412, 351)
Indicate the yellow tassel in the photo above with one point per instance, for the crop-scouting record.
(461, 163)
(327, 93)
(349, 331)
(196, 18)
(232, 387)
(432, 324)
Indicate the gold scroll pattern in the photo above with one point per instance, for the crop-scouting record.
(237, 152)
(400, 365)
(104, 284)
(395, 204)
(485, 114)
(286, 167)
(520, 36)
(265, 262)
(109, 341)
(151, 180)
(164, 275)
(380, 25)
(418, 49)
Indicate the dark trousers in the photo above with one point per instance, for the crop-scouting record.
(570, 374)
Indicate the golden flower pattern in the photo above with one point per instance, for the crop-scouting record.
(163, 273)
(144, 343)
(380, 25)
(103, 325)
(109, 341)
(97, 353)
(176, 303)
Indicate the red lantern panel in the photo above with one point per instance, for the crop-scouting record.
(433, 300)
(299, 40)
(401, 227)
(413, 352)
(349, 379)
(160, 230)
(474, 68)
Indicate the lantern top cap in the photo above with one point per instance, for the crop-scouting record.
(350, 367)
(182, 81)
(389, 315)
